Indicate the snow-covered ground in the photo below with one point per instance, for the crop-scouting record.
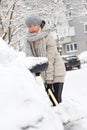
(76, 85)
(75, 97)
(24, 104)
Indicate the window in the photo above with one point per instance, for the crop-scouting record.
(68, 1)
(85, 28)
(67, 48)
(75, 46)
(69, 15)
(71, 47)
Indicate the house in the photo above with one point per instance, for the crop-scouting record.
(76, 15)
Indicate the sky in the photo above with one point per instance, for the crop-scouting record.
(24, 103)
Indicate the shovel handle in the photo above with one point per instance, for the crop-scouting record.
(51, 93)
(53, 97)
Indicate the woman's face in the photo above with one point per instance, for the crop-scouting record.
(34, 28)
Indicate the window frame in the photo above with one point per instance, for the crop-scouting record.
(71, 47)
(85, 28)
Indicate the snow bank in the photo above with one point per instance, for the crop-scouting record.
(72, 114)
(9, 55)
(24, 104)
(83, 57)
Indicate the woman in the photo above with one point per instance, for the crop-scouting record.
(40, 43)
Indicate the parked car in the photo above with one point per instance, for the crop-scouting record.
(71, 61)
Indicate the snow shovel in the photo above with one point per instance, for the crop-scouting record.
(51, 94)
(39, 68)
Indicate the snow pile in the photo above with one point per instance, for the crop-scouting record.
(72, 115)
(24, 104)
(9, 55)
(83, 57)
(21, 102)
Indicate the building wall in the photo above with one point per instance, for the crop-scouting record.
(81, 37)
(78, 21)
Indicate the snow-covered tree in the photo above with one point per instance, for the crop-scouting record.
(12, 21)
(13, 13)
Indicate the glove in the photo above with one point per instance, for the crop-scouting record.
(47, 86)
(38, 74)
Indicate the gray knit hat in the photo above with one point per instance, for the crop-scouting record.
(33, 19)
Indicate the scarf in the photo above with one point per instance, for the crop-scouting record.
(37, 43)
